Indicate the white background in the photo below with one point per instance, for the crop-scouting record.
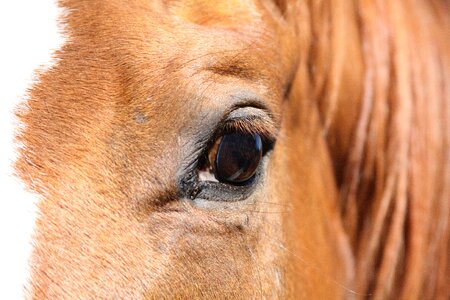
(28, 36)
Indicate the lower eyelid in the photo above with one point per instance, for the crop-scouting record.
(220, 192)
(223, 192)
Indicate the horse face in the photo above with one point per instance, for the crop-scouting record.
(120, 132)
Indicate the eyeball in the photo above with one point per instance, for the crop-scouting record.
(236, 157)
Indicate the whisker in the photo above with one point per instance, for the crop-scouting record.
(256, 264)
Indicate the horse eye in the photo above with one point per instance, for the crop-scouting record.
(237, 157)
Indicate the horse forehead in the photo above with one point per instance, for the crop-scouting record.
(239, 19)
(181, 39)
(216, 12)
(163, 31)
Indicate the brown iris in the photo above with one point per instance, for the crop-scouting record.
(237, 157)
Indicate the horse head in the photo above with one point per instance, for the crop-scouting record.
(238, 149)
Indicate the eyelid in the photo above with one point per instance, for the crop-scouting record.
(251, 126)
(251, 120)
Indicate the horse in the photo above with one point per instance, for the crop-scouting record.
(242, 149)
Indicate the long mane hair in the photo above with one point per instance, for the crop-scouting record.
(380, 74)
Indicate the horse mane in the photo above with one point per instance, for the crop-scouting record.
(380, 74)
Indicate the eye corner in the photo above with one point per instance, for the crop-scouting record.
(189, 185)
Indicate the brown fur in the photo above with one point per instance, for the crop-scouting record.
(355, 201)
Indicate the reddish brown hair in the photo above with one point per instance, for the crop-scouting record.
(381, 78)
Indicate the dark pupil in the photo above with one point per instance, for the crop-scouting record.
(238, 157)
